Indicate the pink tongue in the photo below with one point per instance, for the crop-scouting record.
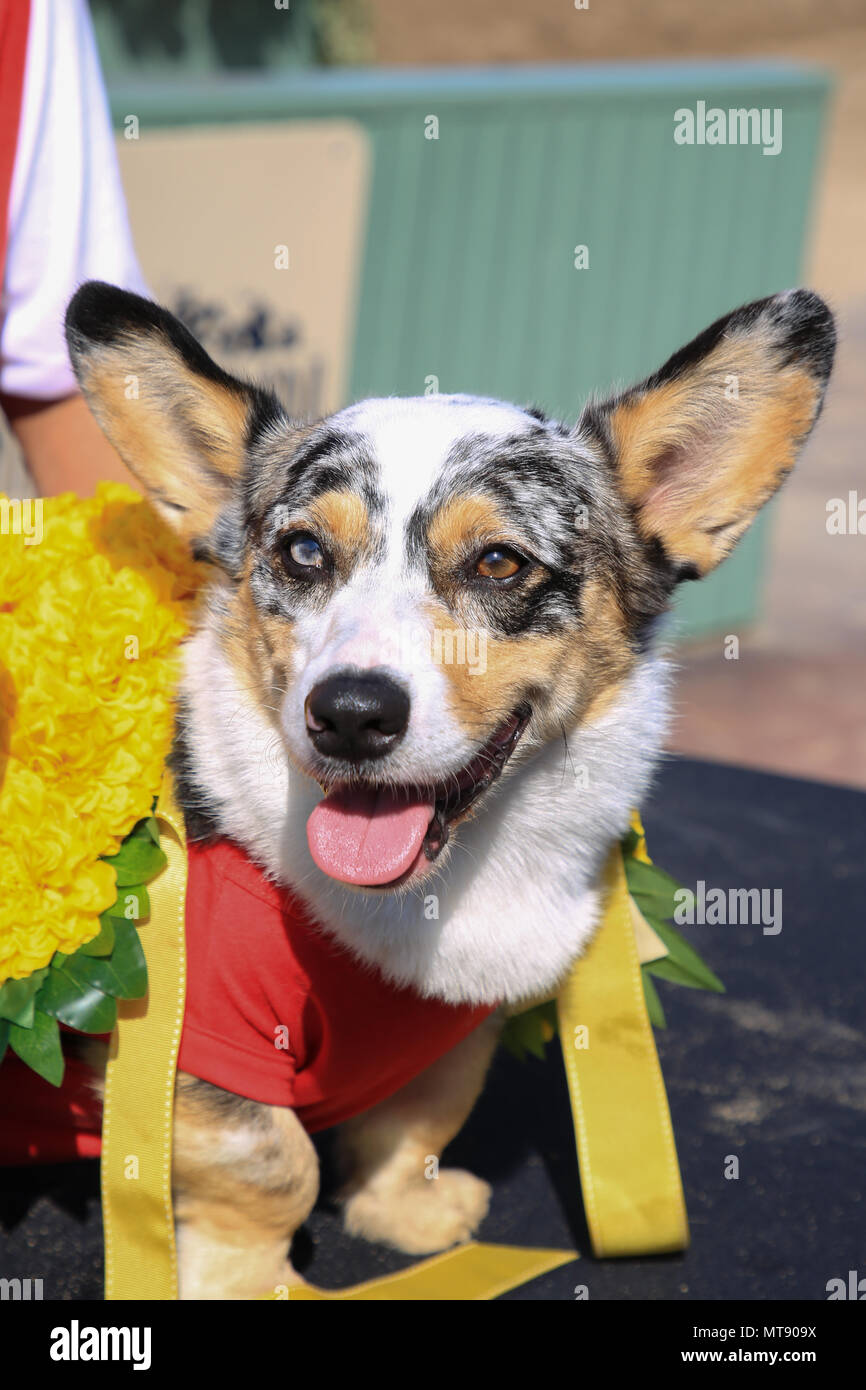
(368, 836)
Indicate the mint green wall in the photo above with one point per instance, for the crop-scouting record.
(468, 264)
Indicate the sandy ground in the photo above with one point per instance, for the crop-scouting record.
(794, 701)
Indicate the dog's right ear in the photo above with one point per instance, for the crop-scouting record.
(179, 422)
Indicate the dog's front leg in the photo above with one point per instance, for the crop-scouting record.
(245, 1177)
(394, 1191)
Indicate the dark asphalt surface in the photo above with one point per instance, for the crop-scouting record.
(773, 1072)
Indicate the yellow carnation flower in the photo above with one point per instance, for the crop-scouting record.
(90, 623)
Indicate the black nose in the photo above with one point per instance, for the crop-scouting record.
(356, 716)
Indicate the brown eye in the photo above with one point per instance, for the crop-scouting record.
(498, 563)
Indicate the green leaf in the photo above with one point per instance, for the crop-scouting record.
(17, 996)
(118, 907)
(151, 826)
(534, 1042)
(128, 960)
(652, 889)
(686, 957)
(39, 1047)
(529, 1032)
(630, 843)
(78, 1005)
(123, 973)
(522, 1035)
(103, 944)
(5, 1025)
(137, 860)
(667, 969)
(653, 1003)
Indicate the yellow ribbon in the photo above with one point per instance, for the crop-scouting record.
(140, 1254)
(471, 1272)
(631, 1182)
(632, 1190)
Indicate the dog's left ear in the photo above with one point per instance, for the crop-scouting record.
(701, 445)
(178, 421)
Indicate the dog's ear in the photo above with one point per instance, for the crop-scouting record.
(179, 422)
(699, 446)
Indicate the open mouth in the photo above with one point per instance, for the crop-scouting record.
(381, 836)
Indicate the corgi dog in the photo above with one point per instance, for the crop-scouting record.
(426, 688)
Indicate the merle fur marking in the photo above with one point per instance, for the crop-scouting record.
(327, 460)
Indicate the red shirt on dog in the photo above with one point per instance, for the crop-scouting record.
(279, 1012)
(275, 1011)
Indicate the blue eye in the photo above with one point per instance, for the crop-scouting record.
(303, 551)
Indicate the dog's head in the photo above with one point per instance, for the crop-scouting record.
(420, 594)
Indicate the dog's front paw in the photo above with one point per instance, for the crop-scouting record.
(428, 1215)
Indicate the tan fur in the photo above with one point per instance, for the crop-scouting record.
(396, 1193)
(697, 463)
(246, 1176)
(188, 476)
(342, 520)
(570, 670)
(241, 1189)
(259, 648)
(244, 1183)
(463, 522)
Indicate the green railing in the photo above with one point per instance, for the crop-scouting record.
(469, 262)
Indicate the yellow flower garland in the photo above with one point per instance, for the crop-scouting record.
(91, 618)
